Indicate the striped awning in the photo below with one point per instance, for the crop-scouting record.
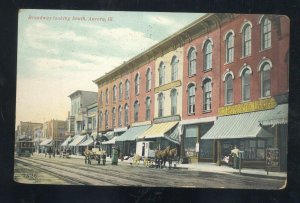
(278, 116)
(46, 142)
(238, 126)
(77, 140)
(88, 142)
(132, 133)
(158, 130)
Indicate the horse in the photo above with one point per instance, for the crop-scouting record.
(87, 154)
(136, 159)
(171, 154)
(162, 156)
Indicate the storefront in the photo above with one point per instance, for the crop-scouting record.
(74, 145)
(127, 141)
(191, 146)
(244, 132)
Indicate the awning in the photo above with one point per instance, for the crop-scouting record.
(279, 115)
(238, 126)
(46, 142)
(158, 130)
(117, 130)
(109, 135)
(112, 141)
(66, 142)
(88, 142)
(132, 133)
(77, 140)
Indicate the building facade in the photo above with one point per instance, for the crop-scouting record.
(208, 79)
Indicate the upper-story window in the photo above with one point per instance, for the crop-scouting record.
(136, 111)
(120, 116)
(191, 98)
(148, 79)
(127, 87)
(161, 73)
(174, 71)
(228, 89)
(114, 117)
(148, 109)
(265, 79)
(173, 102)
(246, 84)
(126, 115)
(106, 119)
(160, 104)
(266, 33)
(246, 40)
(120, 91)
(107, 96)
(229, 47)
(101, 98)
(114, 93)
(207, 57)
(137, 84)
(207, 89)
(192, 61)
(100, 119)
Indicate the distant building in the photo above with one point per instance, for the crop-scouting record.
(25, 130)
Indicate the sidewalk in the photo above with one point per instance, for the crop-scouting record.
(207, 167)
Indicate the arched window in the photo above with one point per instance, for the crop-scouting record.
(265, 79)
(207, 89)
(173, 102)
(100, 119)
(106, 96)
(246, 40)
(174, 71)
(192, 61)
(137, 84)
(161, 73)
(229, 47)
(207, 57)
(120, 91)
(266, 33)
(114, 117)
(114, 93)
(126, 115)
(229, 89)
(148, 108)
(191, 99)
(120, 116)
(106, 119)
(160, 104)
(246, 84)
(136, 111)
(127, 87)
(101, 98)
(148, 80)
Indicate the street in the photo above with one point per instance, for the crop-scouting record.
(44, 170)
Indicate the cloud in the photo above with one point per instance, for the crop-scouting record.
(161, 20)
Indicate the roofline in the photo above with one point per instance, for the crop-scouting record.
(77, 91)
(214, 16)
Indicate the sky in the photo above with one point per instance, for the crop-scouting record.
(61, 51)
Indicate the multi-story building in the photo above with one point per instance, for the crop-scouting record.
(25, 130)
(214, 85)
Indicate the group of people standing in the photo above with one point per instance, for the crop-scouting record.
(51, 152)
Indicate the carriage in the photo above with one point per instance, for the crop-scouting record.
(24, 148)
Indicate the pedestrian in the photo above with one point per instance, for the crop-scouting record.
(235, 153)
(54, 153)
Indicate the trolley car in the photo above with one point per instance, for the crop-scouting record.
(24, 148)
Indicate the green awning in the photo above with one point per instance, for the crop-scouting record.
(238, 126)
(132, 133)
(278, 116)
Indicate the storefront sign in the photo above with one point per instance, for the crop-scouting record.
(167, 86)
(259, 105)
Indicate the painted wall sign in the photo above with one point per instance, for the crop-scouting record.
(168, 86)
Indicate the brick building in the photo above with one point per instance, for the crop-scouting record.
(231, 88)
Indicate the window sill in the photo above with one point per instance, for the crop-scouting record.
(207, 70)
(191, 114)
(206, 111)
(262, 50)
(193, 75)
(267, 97)
(245, 101)
(227, 63)
(228, 104)
(243, 57)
